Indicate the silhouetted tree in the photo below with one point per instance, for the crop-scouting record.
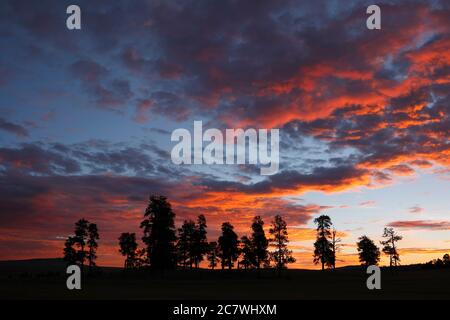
(446, 259)
(192, 244)
(228, 244)
(200, 244)
(86, 234)
(70, 254)
(213, 254)
(369, 254)
(185, 243)
(441, 263)
(279, 240)
(438, 263)
(159, 233)
(128, 248)
(335, 246)
(389, 247)
(248, 252)
(259, 243)
(81, 233)
(323, 251)
(92, 244)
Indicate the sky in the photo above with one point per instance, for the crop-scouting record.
(86, 118)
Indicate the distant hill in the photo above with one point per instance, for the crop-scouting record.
(32, 266)
(45, 279)
(58, 265)
(46, 265)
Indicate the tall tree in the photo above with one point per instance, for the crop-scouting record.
(86, 234)
(200, 243)
(369, 254)
(92, 244)
(248, 252)
(70, 254)
(259, 242)
(213, 254)
(81, 233)
(279, 240)
(228, 244)
(159, 233)
(185, 243)
(323, 251)
(128, 248)
(335, 246)
(389, 246)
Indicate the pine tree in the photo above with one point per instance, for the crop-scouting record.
(279, 240)
(185, 243)
(70, 254)
(228, 244)
(259, 242)
(389, 247)
(128, 248)
(323, 251)
(213, 254)
(200, 243)
(159, 234)
(81, 233)
(368, 252)
(247, 252)
(335, 246)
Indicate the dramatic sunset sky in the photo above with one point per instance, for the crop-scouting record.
(86, 118)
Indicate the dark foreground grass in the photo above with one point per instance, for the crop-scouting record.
(347, 283)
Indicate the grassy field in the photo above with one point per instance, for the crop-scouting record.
(45, 279)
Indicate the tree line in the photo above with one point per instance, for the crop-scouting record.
(327, 245)
(438, 263)
(166, 247)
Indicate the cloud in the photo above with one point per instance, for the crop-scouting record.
(89, 157)
(368, 204)
(421, 224)
(401, 170)
(416, 209)
(13, 128)
(34, 158)
(406, 251)
(422, 163)
(328, 179)
(161, 103)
